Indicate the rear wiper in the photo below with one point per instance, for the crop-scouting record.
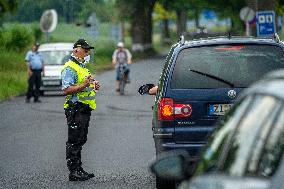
(213, 77)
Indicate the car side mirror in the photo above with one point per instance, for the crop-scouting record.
(171, 166)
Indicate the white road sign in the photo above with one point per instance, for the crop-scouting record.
(247, 14)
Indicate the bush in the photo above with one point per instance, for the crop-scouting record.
(5, 39)
(37, 33)
(21, 38)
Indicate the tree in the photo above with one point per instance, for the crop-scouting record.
(67, 10)
(162, 15)
(7, 6)
(231, 9)
(139, 13)
(181, 8)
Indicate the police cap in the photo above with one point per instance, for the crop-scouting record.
(82, 43)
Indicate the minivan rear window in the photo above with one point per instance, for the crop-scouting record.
(239, 64)
(58, 57)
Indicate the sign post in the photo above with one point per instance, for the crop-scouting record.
(247, 15)
(265, 23)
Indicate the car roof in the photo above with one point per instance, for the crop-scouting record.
(55, 46)
(228, 40)
(271, 84)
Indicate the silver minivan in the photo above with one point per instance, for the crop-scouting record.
(54, 56)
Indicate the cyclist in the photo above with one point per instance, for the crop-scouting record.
(121, 56)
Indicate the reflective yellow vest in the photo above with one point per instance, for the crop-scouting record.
(87, 96)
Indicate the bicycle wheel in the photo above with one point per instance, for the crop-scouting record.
(121, 85)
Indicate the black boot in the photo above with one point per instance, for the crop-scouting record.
(90, 175)
(80, 175)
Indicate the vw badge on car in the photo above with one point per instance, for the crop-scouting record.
(232, 94)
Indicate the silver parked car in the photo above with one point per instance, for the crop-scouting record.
(54, 56)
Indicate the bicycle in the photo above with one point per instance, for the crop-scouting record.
(122, 79)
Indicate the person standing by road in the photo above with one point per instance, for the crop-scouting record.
(35, 66)
(80, 87)
(121, 55)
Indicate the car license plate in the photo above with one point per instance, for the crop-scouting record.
(219, 109)
(51, 82)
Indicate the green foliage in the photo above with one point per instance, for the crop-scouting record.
(13, 83)
(280, 7)
(101, 8)
(5, 38)
(128, 9)
(7, 6)
(20, 39)
(37, 33)
(161, 13)
(13, 74)
(68, 10)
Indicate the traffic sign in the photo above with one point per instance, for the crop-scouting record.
(48, 21)
(247, 14)
(265, 22)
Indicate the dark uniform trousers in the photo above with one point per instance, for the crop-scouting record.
(78, 117)
(34, 81)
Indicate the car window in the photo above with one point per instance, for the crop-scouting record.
(164, 72)
(257, 150)
(273, 149)
(253, 126)
(55, 57)
(225, 128)
(239, 64)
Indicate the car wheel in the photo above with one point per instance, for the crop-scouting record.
(161, 184)
(158, 147)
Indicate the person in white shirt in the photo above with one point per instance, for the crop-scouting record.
(121, 56)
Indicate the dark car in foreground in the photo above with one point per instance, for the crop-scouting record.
(200, 82)
(246, 149)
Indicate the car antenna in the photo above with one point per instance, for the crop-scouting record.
(181, 40)
(229, 35)
(276, 37)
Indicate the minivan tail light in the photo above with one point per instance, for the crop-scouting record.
(182, 110)
(167, 110)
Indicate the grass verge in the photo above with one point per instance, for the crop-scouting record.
(13, 75)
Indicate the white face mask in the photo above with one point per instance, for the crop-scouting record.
(87, 59)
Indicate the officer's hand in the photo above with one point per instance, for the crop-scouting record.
(88, 81)
(30, 72)
(144, 89)
(96, 85)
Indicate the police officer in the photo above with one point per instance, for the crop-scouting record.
(80, 87)
(34, 62)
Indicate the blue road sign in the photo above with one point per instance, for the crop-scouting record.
(265, 22)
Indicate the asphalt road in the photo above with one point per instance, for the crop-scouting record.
(119, 147)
